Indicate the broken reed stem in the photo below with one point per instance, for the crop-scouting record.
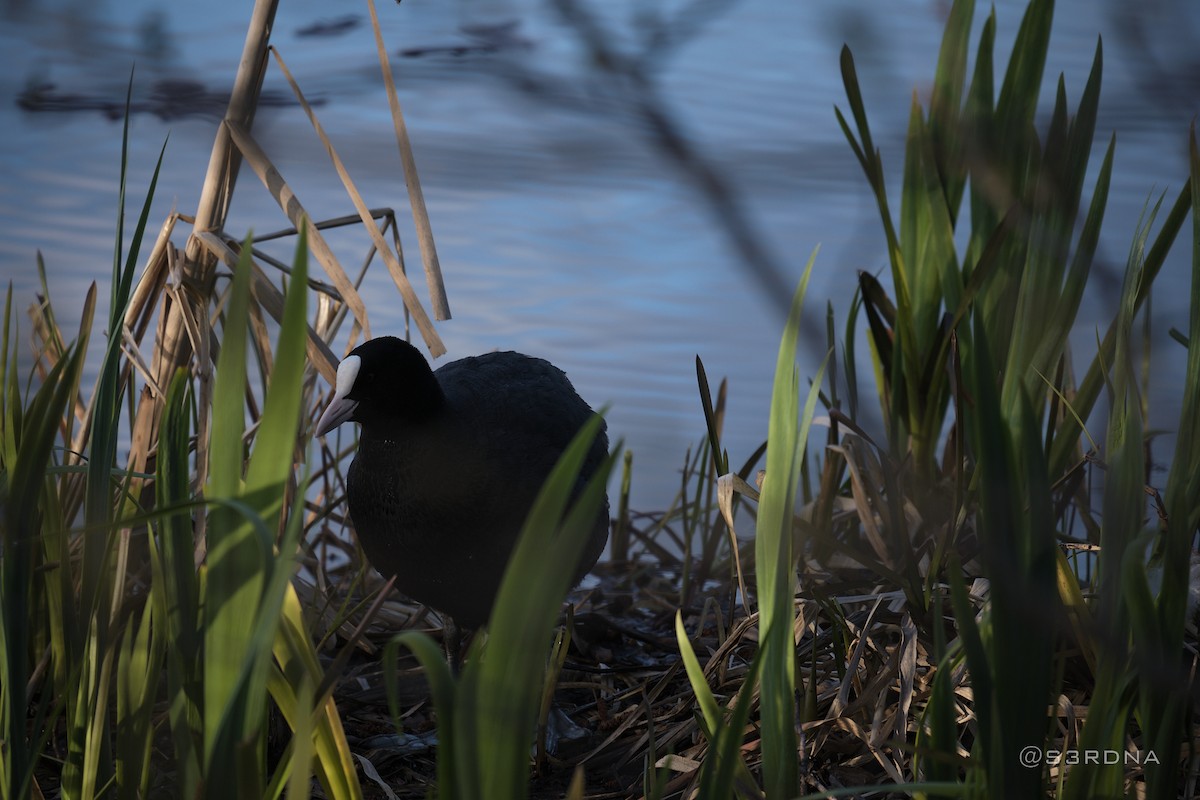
(287, 200)
(411, 301)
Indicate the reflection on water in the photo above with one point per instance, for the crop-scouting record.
(561, 229)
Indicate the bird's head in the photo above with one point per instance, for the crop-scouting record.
(385, 379)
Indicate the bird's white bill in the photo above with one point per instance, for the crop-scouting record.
(335, 414)
(341, 408)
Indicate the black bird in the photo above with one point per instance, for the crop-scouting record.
(449, 464)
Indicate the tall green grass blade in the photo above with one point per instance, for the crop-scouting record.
(270, 465)
(1045, 306)
(445, 699)
(175, 589)
(868, 154)
(243, 568)
(725, 738)
(89, 759)
(1123, 604)
(1053, 343)
(486, 717)
(709, 709)
(1124, 500)
(268, 475)
(1017, 103)
(927, 244)
(501, 691)
(237, 557)
(945, 127)
(106, 409)
(719, 776)
(317, 727)
(1183, 481)
(139, 663)
(775, 558)
(1159, 630)
(1027, 611)
(938, 732)
(27, 452)
(1083, 130)
(63, 614)
(720, 458)
(1088, 391)
(978, 116)
(926, 235)
(1017, 537)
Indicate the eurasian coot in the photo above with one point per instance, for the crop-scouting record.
(449, 463)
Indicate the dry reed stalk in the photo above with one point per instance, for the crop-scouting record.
(287, 200)
(221, 177)
(866, 497)
(260, 338)
(146, 292)
(146, 296)
(173, 348)
(433, 270)
(726, 486)
(331, 311)
(411, 302)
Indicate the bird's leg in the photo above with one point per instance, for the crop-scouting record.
(452, 640)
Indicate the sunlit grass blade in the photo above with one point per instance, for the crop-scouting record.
(487, 717)
(709, 709)
(245, 571)
(775, 556)
(719, 776)
(270, 465)
(497, 712)
(725, 738)
(237, 555)
(314, 719)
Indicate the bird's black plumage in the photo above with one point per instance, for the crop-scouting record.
(449, 463)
